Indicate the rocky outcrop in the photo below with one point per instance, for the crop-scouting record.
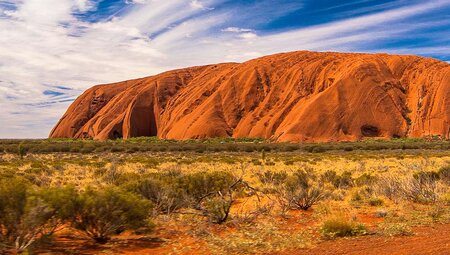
(298, 96)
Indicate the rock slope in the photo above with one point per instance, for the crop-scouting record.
(297, 96)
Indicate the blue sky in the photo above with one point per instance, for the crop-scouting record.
(52, 50)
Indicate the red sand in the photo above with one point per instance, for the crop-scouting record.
(425, 241)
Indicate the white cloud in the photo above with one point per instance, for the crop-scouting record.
(41, 47)
(135, 1)
(236, 30)
(44, 12)
(196, 4)
(248, 35)
(84, 5)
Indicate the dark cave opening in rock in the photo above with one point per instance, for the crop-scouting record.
(370, 131)
(117, 135)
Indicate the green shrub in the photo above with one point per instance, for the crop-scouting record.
(217, 209)
(422, 188)
(366, 179)
(87, 149)
(436, 212)
(256, 162)
(445, 198)
(425, 176)
(28, 215)
(348, 148)
(444, 174)
(375, 201)
(209, 193)
(61, 200)
(318, 148)
(103, 213)
(343, 181)
(133, 149)
(21, 151)
(216, 205)
(396, 229)
(163, 195)
(356, 196)
(289, 162)
(272, 177)
(299, 191)
(291, 147)
(112, 175)
(117, 149)
(339, 226)
(200, 184)
(13, 196)
(390, 187)
(329, 176)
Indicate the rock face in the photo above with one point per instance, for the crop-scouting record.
(298, 96)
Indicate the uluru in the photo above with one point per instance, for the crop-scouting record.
(289, 97)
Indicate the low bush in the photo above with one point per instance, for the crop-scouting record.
(318, 148)
(389, 186)
(395, 229)
(422, 188)
(444, 174)
(111, 174)
(375, 201)
(426, 175)
(437, 212)
(445, 198)
(21, 150)
(272, 177)
(329, 176)
(342, 181)
(28, 214)
(340, 226)
(217, 209)
(357, 196)
(216, 205)
(110, 211)
(381, 213)
(300, 191)
(366, 179)
(200, 184)
(247, 145)
(164, 197)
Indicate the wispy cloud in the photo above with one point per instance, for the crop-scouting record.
(48, 56)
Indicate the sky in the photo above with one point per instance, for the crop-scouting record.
(53, 50)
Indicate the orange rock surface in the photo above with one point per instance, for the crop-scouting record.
(297, 96)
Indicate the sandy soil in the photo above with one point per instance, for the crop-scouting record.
(426, 240)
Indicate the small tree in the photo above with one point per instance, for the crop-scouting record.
(27, 214)
(163, 196)
(217, 208)
(389, 186)
(300, 191)
(62, 202)
(199, 184)
(216, 205)
(110, 211)
(13, 194)
(422, 188)
(444, 174)
(21, 151)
